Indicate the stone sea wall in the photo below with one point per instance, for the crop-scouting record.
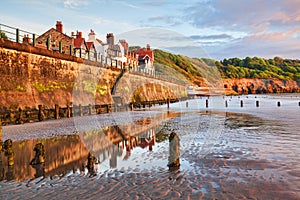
(31, 76)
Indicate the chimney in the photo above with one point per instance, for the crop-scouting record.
(110, 38)
(59, 26)
(26, 39)
(92, 35)
(79, 35)
(148, 47)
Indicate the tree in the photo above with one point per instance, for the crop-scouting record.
(2, 35)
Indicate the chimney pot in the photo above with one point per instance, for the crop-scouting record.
(59, 26)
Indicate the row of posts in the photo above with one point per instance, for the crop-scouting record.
(226, 104)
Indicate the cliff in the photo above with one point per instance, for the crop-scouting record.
(260, 86)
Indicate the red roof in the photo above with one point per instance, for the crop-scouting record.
(78, 42)
(142, 52)
(90, 45)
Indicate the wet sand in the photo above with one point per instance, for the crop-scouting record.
(253, 158)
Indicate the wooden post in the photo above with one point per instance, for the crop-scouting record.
(278, 104)
(168, 103)
(206, 103)
(56, 113)
(80, 110)
(242, 103)
(226, 103)
(299, 103)
(131, 107)
(68, 111)
(41, 115)
(90, 109)
(0, 132)
(187, 104)
(107, 109)
(257, 103)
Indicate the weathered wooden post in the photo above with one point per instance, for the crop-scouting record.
(0, 132)
(187, 104)
(80, 53)
(242, 103)
(174, 151)
(131, 107)
(107, 108)
(33, 40)
(56, 113)
(299, 103)
(80, 110)
(9, 152)
(17, 35)
(226, 103)
(257, 103)
(41, 115)
(168, 103)
(68, 111)
(278, 104)
(90, 109)
(206, 103)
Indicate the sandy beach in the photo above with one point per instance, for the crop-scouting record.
(254, 157)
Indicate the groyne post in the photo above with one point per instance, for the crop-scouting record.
(90, 109)
(0, 131)
(242, 103)
(168, 103)
(80, 110)
(299, 103)
(257, 103)
(41, 115)
(68, 111)
(206, 103)
(131, 106)
(187, 104)
(278, 104)
(226, 103)
(56, 113)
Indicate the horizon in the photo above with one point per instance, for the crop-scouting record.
(216, 29)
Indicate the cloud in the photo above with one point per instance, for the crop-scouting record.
(75, 3)
(154, 3)
(211, 37)
(161, 21)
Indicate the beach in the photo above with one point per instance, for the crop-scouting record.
(233, 152)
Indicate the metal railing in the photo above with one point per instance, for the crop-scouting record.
(15, 34)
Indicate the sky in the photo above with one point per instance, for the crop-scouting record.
(214, 29)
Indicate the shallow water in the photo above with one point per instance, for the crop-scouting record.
(236, 152)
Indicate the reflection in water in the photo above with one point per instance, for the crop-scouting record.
(174, 151)
(9, 153)
(91, 164)
(63, 154)
(39, 157)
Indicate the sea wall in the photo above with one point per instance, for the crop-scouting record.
(31, 76)
(260, 86)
